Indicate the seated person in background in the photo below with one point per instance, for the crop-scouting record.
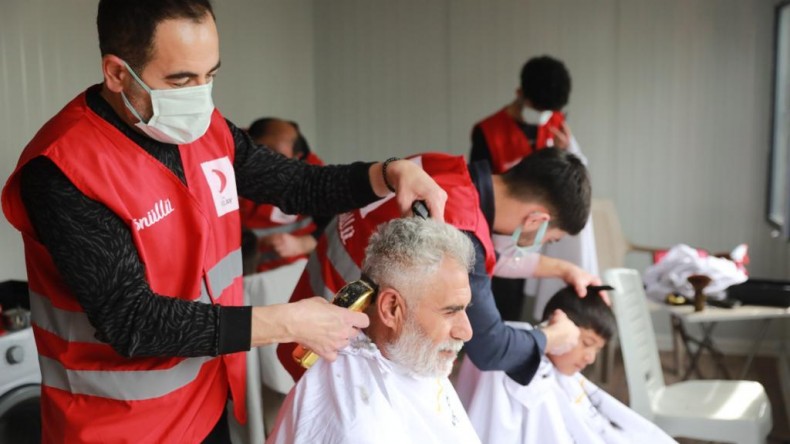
(539, 200)
(390, 384)
(282, 238)
(560, 405)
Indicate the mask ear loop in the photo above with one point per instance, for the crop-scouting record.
(137, 78)
(143, 85)
(541, 233)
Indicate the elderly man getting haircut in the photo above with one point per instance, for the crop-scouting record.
(539, 200)
(390, 385)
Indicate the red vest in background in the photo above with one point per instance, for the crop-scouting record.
(188, 240)
(265, 220)
(340, 251)
(508, 144)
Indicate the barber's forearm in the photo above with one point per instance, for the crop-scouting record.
(376, 179)
(549, 267)
(271, 325)
(297, 187)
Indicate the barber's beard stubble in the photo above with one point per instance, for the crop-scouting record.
(415, 351)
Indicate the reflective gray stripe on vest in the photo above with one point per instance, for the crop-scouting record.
(125, 385)
(221, 276)
(317, 284)
(288, 228)
(73, 326)
(338, 256)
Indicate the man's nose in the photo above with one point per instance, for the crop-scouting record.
(202, 80)
(462, 329)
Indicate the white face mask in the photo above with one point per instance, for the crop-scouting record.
(181, 115)
(535, 117)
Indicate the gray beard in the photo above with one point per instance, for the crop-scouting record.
(416, 352)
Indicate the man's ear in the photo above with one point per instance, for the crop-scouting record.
(114, 71)
(391, 308)
(535, 218)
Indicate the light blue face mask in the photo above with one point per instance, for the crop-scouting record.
(536, 244)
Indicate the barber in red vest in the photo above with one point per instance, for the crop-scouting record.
(539, 200)
(532, 121)
(127, 201)
(281, 238)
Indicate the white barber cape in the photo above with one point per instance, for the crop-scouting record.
(364, 398)
(553, 408)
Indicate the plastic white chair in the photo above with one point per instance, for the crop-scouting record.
(727, 411)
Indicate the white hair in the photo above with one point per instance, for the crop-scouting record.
(402, 253)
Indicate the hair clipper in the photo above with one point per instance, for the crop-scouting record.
(355, 296)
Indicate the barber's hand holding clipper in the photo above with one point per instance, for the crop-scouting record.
(315, 323)
(561, 333)
(410, 183)
(354, 297)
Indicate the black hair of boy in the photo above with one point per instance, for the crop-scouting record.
(590, 312)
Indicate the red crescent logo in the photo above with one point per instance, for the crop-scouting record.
(223, 181)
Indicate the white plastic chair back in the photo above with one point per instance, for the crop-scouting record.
(610, 241)
(637, 338)
(711, 410)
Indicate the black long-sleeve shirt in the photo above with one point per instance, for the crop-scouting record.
(94, 252)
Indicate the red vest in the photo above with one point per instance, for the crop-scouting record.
(508, 144)
(266, 219)
(188, 240)
(340, 251)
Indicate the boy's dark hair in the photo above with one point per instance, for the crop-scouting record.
(588, 312)
(556, 179)
(546, 83)
(127, 27)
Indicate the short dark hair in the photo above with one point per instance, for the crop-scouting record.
(546, 83)
(127, 27)
(262, 126)
(588, 312)
(556, 179)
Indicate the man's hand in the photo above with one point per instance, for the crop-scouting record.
(288, 245)
(562, 137)
(579, 279)
(411, 183)
(572, 274)
(561, 334)
(315, 323)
